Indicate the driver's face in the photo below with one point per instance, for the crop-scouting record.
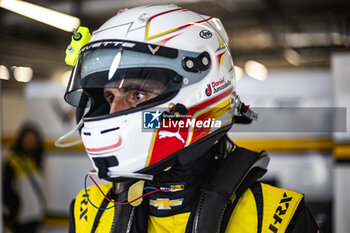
(120, 97)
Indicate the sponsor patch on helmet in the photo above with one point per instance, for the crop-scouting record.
(165, 133)
(205, 34)
(217, 86)
(108, 44)
(153, 50)
(208, 90)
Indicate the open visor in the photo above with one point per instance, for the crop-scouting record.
(129, 67)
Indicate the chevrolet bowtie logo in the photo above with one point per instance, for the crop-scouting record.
(165, 203)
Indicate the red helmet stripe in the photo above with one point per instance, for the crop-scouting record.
(106, 147)
(161, 148)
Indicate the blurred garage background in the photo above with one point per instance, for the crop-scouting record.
(300, 48)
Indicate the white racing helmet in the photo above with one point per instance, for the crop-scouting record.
(176, 66)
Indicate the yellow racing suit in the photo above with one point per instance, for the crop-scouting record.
(254, 208)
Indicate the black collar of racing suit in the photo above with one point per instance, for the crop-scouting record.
(183, 181)
(208, 193)
(191, 176)
(219, 195)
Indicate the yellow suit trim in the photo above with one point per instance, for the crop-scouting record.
(85, 213)
(279, 207)
(172, 224)
(244, 217)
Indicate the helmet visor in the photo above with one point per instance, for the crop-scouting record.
(127, 76)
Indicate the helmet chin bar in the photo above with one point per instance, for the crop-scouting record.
(111, 174)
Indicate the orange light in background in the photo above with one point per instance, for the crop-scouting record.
(255, 70)
(292, 56)
(22, 73)
(4, 73)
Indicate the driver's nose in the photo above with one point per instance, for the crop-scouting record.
(117, 106)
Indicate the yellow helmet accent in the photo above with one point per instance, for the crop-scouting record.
(79, 38)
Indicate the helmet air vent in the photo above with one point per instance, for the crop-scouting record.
(197, 64)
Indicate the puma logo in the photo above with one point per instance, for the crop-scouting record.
(164, 133)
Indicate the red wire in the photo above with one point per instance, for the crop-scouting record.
(126, 203)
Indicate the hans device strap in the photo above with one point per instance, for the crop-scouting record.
(219, 196)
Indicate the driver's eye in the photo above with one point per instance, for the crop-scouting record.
(139, 95)
(109, 97)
